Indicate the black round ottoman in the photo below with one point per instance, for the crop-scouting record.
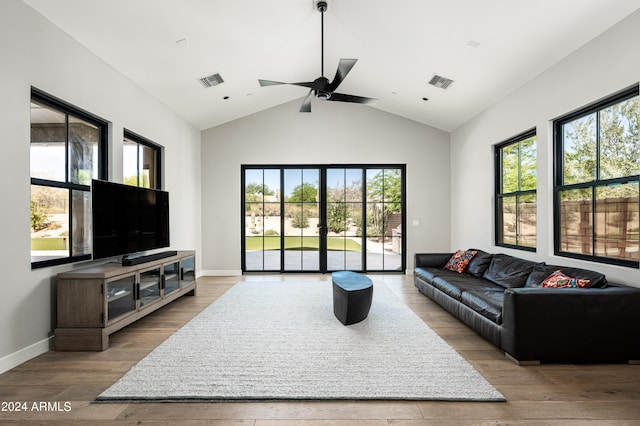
(352, 295)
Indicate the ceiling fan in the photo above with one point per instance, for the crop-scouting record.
(321, 87)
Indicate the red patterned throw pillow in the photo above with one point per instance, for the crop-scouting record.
(460, 260)
(560, 280)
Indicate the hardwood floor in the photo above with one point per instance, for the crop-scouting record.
(63, 385)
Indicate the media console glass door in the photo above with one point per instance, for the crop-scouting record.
(121, 297)
(171, 277)
(149, 286)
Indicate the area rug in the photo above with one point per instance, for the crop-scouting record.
(281, 341)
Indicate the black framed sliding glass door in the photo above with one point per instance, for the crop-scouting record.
(262, 229)
(344, 219)
(301, 220)
(323, 218)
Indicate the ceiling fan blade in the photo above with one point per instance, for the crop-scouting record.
(341, 97)
(264, 83)
(309, 84)
(306, 104)
(344, 66)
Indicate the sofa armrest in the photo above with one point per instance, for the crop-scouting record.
(571, 325)
(435, 260)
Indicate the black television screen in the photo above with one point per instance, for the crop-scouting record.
(128, 219)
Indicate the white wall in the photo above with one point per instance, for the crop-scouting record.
(604, 66)
(334, 133)
(36, 53)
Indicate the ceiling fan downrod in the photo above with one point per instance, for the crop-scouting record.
(322, 7)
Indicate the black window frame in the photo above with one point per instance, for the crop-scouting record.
(157, 149)
(499, 194)
(44, 98)
(558, 178)
(323, 168)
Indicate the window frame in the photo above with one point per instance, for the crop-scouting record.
(593, 185)
(50, 101)
(500, 195)
(157, 150)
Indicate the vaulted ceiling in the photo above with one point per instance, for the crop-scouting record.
(487, 47)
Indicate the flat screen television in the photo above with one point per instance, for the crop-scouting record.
(128, 219)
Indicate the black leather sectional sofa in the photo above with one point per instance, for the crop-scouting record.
(501, 298)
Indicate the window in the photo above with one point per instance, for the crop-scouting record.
(597, 152)
(516, 183)
(140, 161)
(67, 150)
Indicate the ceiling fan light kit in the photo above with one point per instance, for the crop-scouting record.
(321, 88)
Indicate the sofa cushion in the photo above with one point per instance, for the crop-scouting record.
(538, 274)
(460, 260)
(427, 274)
(598, 280)
(487, 303)
(559, 280)
(479, 263)
(423, 260)
(430, 273)
(541, 271)
(508, 271)
(454, 284)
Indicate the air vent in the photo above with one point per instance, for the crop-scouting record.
(211, 80)
(440, 81)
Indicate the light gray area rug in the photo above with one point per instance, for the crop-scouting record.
(281, 341)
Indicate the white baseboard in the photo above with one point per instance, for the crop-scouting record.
(221, 273)
(237, 272)
(23, 355)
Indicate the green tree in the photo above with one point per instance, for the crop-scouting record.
(336, 217)
(304, 193)
(580, 157)
(337, 210)
(510, 181)
(384, 192)
(386, 186)
(519, 166)
(258, 188)
(130, 180)
(618, 141)
(299, 218)
(254, 191)
(37, 218)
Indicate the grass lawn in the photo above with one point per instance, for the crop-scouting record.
(298, 243)
(53, 243)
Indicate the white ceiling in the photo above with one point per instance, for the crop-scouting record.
(400, 45)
